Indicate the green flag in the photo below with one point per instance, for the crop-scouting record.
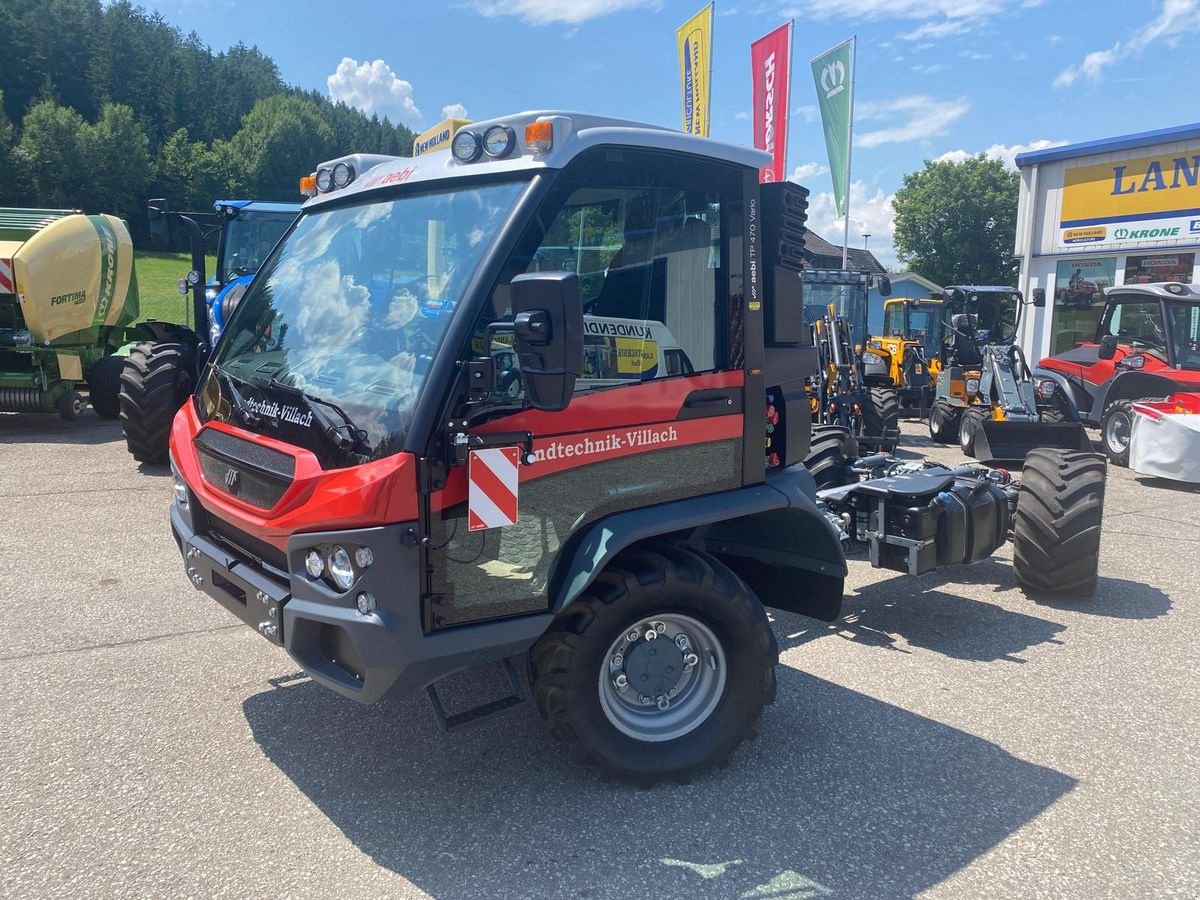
(833, 73)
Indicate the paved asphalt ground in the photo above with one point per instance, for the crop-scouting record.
(948, 737)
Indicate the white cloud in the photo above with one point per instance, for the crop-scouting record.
(809, 112)
(741, 116)
(939, 30)
(973, 54)
(454, 111)
(808, 170)
(920, 115)
(374, 88)
(938, 18)
(928, 68)
(1006, 153)
(870, 213)
(565, 12)
(1176, 17)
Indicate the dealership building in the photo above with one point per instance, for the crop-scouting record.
(1124, 210)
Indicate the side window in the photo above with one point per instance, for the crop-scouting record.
(648, 260)
(1139, 323)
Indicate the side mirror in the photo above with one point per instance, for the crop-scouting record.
(885, 286)
(1108, 346)
(160, 229)
(1039, 297)
(548, 329)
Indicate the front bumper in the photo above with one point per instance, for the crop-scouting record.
(361, 657)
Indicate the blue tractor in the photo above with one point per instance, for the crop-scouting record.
(160, 374)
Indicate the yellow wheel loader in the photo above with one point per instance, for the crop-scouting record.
(906, 356)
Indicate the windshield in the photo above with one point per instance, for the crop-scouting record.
(924, 327)
(347, 316)
(248, 239)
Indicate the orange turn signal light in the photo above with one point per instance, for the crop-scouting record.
(539, 136)
(308, 186)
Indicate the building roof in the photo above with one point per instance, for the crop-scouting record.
(1110, 145)
(921, 280)
(858, 260)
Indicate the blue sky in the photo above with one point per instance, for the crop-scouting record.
(934, 77)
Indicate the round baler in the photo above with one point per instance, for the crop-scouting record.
(68, 293)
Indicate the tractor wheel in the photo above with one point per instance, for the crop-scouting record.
(829, 449)
(1054, 415)
(70, 405)
(1116, 428)
(968, 426)
(660, 669)
(104, 386)
(1056, 534)
(943, 422)
(881, 411)
(155, 381)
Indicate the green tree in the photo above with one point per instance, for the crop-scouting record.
(116, 154)
(956, 221)
(282, 138)
(49, 155)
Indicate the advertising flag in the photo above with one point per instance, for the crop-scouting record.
(694, 38)
(833, 73)
(771, 70)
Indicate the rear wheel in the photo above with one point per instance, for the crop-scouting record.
(104, 386)
(1116, 427)
(660, 670)
(881, 411)
(155, 381)
(1056, 534)
(968, 426)
(829, 449)
(943, 422)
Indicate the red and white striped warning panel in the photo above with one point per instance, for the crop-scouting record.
(6, 277)
(492, 496)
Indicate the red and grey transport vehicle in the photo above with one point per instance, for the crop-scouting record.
(359, 478)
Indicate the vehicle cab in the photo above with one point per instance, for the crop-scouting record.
(459, 379)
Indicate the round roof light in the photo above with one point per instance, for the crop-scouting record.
(324, 180)
(466, 146)
(343, 174)
(498, 141)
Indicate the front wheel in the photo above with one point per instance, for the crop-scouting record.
(881, 412)
(1116, 428)
(155, 381)
(968, 427)
(943, 422)
(660, 670)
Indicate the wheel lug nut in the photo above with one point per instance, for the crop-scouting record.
(672, 692)
(691, 659)
(644, 700)
(621, 681)
(660, 627)
(681, 642)
(618, 660)
(632, 636)
(651, 634)
(663, 703)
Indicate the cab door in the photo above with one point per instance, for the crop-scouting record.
(649, 236)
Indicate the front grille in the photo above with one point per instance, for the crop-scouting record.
(243, 469)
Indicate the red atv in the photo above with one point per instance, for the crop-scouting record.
(1078, 292)
(1147, 346)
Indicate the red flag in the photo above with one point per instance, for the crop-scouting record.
(771, 68)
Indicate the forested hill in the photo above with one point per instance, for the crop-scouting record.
(104, 106)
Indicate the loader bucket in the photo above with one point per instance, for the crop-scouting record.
(1009, 441)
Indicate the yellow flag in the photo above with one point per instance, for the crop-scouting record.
(694, 38)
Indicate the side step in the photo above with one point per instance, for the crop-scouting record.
(466, 717)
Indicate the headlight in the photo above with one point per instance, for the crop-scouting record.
(365, 603)
(872, 358)
(181, 493)
(466, 146)
(314, 565)
(972, 385)
(341, 571)
(1046, 389)
(324, 180)
(498, 141)
(363, 557)
(343, 174)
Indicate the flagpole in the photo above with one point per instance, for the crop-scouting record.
(849, 152)
(787, 113)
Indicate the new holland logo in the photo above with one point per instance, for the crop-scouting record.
(233, 480)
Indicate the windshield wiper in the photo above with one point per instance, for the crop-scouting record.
(346, 436)
(240, 405)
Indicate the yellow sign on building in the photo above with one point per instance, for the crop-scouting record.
(1153, 198)
(438, 136)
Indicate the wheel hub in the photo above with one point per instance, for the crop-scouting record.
(662, 678)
